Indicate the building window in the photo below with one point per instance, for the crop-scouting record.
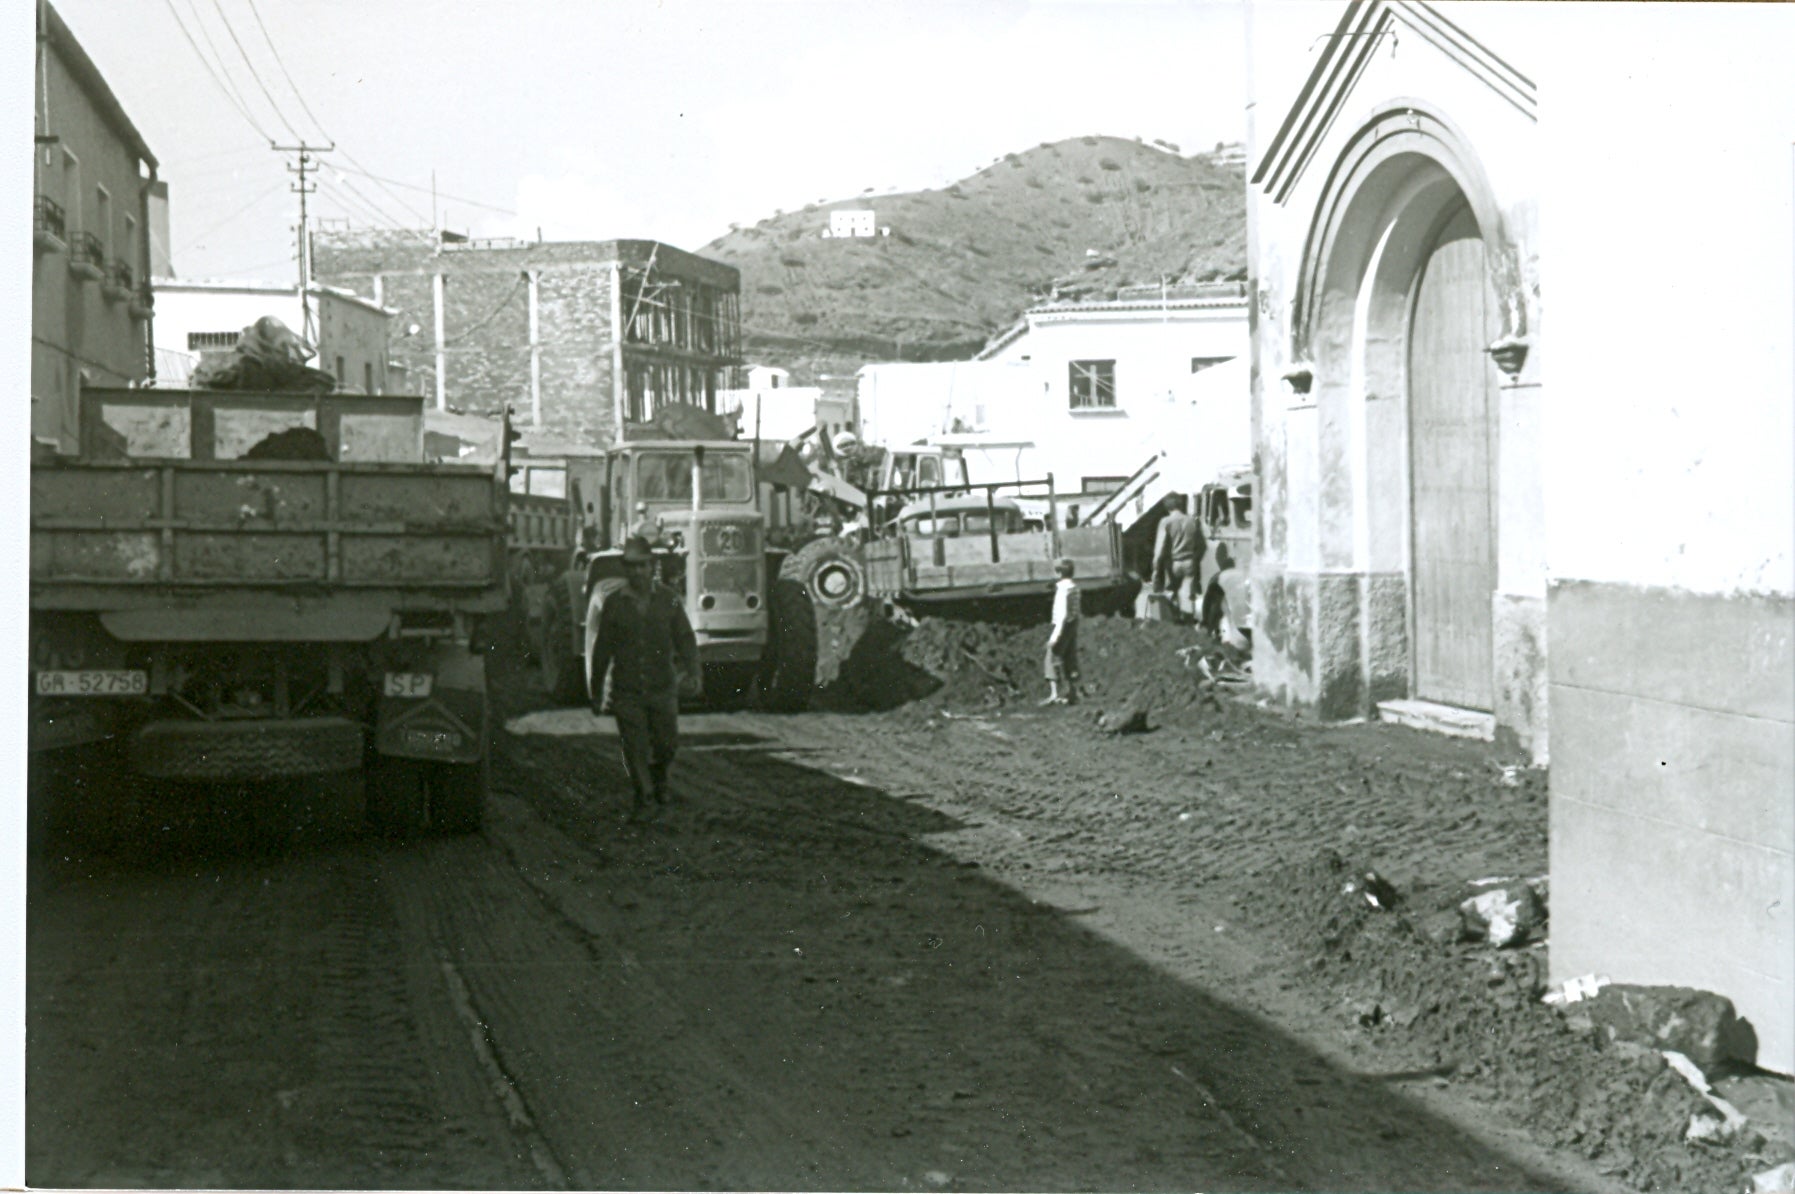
(102, 219)
(199, 341)
(1198, 364)
(342, 374)
(367, 377)
(1101, 485)
(1092, 385)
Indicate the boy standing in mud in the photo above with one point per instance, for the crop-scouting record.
(1062, 640)
(646, 643)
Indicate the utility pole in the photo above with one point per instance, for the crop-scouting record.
(304, 167)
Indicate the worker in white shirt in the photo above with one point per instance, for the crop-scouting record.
(1062, 640)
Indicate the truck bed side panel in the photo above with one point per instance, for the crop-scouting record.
(243, 523)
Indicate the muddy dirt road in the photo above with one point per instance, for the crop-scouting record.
(914, 950)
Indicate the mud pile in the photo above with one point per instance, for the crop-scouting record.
(1467, 1012)
(880, 664)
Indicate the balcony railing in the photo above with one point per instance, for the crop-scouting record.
(119, 279)
(49, 225)
(87, 256)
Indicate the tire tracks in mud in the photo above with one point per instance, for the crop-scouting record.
(884, 999)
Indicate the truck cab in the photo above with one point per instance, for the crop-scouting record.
(695, 502)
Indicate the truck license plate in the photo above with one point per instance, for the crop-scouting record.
(93, 682)
(407, 684)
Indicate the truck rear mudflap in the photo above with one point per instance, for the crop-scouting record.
(437, 712)
(219, 751)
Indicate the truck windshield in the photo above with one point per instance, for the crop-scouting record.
(667, 476)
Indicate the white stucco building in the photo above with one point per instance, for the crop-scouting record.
(787, 411)
(350, 332)
(1498, 481)
(1092, 388)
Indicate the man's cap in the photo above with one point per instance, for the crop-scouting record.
(1063, 566)
(637, 551)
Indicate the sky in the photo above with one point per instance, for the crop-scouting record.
(665, 120)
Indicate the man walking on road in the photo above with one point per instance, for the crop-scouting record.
(1178, 554)
(646, 643)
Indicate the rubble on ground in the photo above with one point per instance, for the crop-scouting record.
(1502, 913)
(1473, 1010)
(869, 661)
(1699, 1025)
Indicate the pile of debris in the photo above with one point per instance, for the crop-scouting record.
(1125, 664)
(1656, 1085)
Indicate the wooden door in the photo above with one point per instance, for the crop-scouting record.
(1452, 438)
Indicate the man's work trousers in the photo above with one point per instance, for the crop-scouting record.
(649, 733)
(1185, 578)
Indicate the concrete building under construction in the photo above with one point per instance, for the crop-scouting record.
(574, 336)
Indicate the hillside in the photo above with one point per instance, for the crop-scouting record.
(1076, 218)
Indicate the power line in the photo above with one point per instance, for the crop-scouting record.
(244, 54)
(278, 61)
(203, 61)
(189, 242)
(223, 70)
(357, 204)
(439, 194)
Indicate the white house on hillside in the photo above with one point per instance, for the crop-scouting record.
(350, 331)
(1093, 389)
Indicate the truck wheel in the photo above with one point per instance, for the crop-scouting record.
(789, 676)
(831, 571)
(458, 795)
(562, 671)
(729, 686)
(395, 796)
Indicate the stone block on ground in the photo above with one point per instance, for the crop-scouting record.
(1505, 915)
(1130, 719)
(1698, 1024)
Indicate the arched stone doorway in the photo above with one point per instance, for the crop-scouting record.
(1399, 301)
(1452, 442)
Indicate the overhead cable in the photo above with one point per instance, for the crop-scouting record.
(203, 61)
(253, 73)
(278, 61)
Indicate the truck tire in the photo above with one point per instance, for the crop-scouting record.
(789, 676)
(396, 803)
(563, 672)
(458, 795)
(730, 686)
(831, 572)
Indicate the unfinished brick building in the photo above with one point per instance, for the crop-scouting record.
(486, 323)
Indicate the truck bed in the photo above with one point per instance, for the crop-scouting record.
(112, 533)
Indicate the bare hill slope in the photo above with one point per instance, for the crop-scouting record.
(1078, 218)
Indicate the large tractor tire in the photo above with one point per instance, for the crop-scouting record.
(789, 676)
(832, 573)
(563, 672)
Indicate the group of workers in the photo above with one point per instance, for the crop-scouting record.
(1223, 607)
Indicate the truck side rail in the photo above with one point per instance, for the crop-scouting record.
(540, 523)
(199, 425)
(206, 525)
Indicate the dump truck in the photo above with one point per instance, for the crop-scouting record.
(247, 586)
(694, 492)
